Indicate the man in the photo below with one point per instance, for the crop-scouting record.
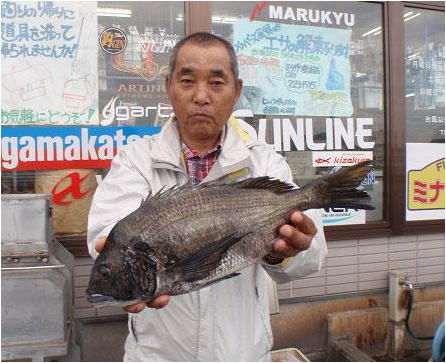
(229, 320)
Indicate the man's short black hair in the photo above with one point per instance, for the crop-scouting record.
(203, 39)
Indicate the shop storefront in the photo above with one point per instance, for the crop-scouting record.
(328, 84)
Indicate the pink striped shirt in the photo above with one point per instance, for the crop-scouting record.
(198, 167)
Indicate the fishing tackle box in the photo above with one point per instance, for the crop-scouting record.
(36, 279)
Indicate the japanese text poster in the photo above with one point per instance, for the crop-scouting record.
(49, 63)
(293, 69)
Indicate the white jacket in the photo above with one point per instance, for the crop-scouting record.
(227, 321)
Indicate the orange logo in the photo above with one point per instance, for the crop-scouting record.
(113, 40)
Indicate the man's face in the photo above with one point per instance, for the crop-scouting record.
(203, 91)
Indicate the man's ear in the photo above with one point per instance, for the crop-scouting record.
(238, 88)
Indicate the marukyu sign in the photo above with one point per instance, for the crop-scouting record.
(33, 148)
(314, 16)
(425, 181)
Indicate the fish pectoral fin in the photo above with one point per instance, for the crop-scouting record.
(218, 280)
(198, 265)
(137, 250)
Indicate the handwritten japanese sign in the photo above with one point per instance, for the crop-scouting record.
(293, 69)
(49, 63)
(425, 181)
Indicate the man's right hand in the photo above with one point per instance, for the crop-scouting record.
(157, 303)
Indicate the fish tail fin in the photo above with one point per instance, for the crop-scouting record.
(338, 190)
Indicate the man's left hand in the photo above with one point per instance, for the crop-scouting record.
(295, 237)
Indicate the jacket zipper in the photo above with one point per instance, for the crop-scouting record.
(198, 325)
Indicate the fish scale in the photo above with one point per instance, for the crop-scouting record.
(258, 244)
(254, 213)
(207, 206)
(189, 237)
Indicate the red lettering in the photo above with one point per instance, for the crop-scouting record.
(257, 10)
(73, 189)
(419, 188)
(437, 187)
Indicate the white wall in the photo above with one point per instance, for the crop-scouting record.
(363, 264)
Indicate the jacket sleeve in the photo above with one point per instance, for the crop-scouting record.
(305, 262)
(119, 194)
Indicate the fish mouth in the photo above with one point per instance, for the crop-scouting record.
(99, 298)
(103, 300)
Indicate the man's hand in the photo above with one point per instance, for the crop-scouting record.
(294, 238)
(159, 302)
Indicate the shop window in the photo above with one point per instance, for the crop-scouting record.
(131, 91)
(314, 89)
(313, 86)
(424, 66)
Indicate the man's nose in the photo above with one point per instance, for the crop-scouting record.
(201, 95)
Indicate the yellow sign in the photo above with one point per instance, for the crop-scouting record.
(426, 187)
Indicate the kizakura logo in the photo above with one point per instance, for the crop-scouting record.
(112, 112)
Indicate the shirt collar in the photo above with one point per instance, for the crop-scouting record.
(190, 153)
(167, 153)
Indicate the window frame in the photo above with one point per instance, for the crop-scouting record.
(397, 118)
(198, 18)
(394, 197)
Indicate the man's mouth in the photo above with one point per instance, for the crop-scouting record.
(201, 115)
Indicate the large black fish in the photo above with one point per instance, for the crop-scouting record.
(189, 237)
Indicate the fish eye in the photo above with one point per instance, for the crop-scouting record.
(105, 271)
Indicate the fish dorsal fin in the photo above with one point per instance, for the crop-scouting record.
(201, 263)
(265, 182)
(163, 193)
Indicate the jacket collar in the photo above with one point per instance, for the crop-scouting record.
(166, 151)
